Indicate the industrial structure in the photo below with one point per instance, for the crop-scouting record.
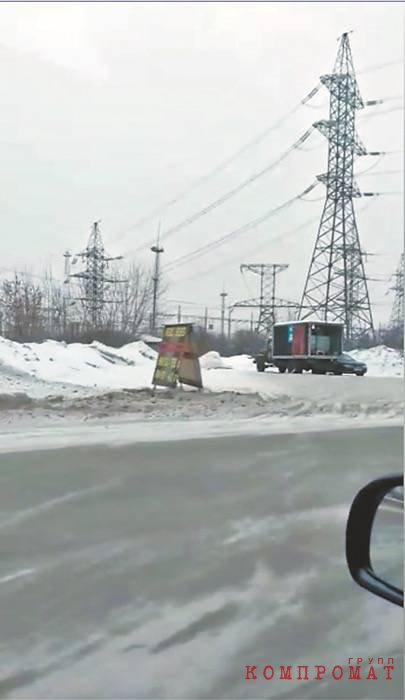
(397, 314)
(267, 302)
(336, 284)
(94, 278)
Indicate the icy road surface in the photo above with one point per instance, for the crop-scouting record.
(160, 570)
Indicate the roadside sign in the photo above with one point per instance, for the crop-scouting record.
(178, 358)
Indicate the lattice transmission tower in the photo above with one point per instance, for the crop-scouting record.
(267, 302)
(397, 314)
(94, 277)
(336, 284)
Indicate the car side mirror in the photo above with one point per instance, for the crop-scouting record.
(375, 538)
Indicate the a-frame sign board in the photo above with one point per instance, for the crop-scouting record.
(178, 358)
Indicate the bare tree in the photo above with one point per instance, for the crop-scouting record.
(22, 309)
(129, 300)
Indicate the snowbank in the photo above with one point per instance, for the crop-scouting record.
(28, 366)
(381, 361)
(77, 371)
(213, 360)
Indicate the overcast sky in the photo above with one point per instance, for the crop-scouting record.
(110, 109)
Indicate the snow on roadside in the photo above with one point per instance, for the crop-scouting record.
(381, 361)
(32, 367)
(213, 360)
(62, 379)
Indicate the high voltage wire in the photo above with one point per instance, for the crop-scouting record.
(224, 198)
(252, 252)
(250, 144)
(383, 111)
(379, 66)
(188, 257)
(272, 239)
(231, 193)
(380, 172)
(218, 168)
(243, 149)
(237, 232)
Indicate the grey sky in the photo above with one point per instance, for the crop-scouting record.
(109, 109)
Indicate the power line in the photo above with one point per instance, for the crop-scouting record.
(380, 172)
(380, 66)
(237, 232)
(188, 257)
(221, 166)
(240, 151)
(227, 161)
(382, 111)
(284, 235)
(231, 193)
(251, 252)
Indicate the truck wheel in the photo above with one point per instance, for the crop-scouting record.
(282, 369)
(337, 373)
(318, 371)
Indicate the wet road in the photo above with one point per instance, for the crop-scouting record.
(162, 570)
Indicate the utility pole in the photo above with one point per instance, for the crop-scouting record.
(157, 250)
(266, 302)
(94, 277)
(206, 319)
(336, 284)
(397, 313)
(231, 309)
(66, 301)
(223, 296)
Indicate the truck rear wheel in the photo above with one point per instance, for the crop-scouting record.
(282, 369)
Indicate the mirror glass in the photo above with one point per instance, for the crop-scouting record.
(387, 539)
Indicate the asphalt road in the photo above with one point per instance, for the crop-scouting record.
(161, 570)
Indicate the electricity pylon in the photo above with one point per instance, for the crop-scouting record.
(94, 277)
(397, 314)
(266, 302)
(336, 284)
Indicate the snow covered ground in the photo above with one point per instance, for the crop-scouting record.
(60, 381)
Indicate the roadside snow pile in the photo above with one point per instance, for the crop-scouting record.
(62, 379)
(95, 365)
(242, 362)
(213, 360)
(381, 361)
(136, 353)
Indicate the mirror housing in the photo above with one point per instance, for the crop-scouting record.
(358, 537)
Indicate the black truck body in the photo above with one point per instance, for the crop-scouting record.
(314, 346)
